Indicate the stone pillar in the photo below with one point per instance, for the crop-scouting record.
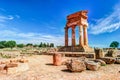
(81, 35)
(85, 35)
(66, 36)
(73, 36)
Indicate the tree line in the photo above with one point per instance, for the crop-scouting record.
(11, 44)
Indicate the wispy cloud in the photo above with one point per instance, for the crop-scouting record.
(10, 17)
(5, 18)
(109, 23)
(1, 9)
(21, 37)
(17, 16)
(3, 21)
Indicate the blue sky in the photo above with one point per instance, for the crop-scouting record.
(35, 21)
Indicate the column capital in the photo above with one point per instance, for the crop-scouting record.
(85, 26)
(66, 27)
(73, 26)
(79, 25)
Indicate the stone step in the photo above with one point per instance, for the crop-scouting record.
(77, 54)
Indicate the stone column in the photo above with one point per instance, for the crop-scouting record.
(80, 35)
(85, 36)
(73, 36)
(66, 36)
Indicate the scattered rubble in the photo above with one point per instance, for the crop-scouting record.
(101, 62)
(108, 60)
(91, 65)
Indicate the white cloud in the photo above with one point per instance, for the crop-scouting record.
(109, 23)
(2, 18)
(10, 17)
(21, 37)
(2, 25)
(6, 18)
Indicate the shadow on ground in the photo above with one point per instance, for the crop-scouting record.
(49, 64)
(66, 70)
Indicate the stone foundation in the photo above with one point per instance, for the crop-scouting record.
(76, 49)
(90, 55)
(77, 54)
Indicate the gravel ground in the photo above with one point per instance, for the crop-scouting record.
(41, 68)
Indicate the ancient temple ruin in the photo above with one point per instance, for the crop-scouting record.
(77, 19)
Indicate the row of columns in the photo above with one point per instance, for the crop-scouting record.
(83, 38)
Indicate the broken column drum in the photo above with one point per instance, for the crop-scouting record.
(57, 59)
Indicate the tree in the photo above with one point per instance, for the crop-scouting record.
(35, 45)
(29, 44)
(10, 44)
(20, 45)
(48, 45)
(44, 45)
(2, 44)
(41, 44)
(114, 44)
(51, 44)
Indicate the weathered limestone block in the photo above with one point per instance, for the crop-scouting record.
(84, 59)
(108, 60)
(98, 53)
(66, 61)
(91, 65)
(111, 53)
(21, 67)
(4, 62)
(76, 65)
(118, 55)
(117, 60)
(11, 65)
(101, 62)
(13, 61)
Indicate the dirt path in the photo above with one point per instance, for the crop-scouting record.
(41, 68)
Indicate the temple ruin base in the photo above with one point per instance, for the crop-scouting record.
(76, 49)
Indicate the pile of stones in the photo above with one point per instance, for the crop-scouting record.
(82, 63)
(11, 63)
